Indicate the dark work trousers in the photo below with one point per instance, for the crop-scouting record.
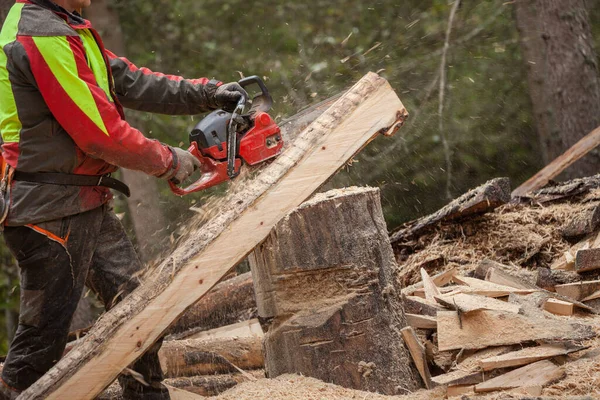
(56, 259)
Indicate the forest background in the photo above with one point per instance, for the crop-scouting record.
(493, 88)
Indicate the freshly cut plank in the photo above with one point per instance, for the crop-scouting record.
(421, 321)
(540, 373)
(459, 377)
(593, 296)
(525, 356)
(459, 390)
(421, 306)
(499, 277)
(559, 164)
(559, 307)
(468, 302)
(483, 328)
(485, 288)
(180, 394)
(417, 351)
(578, 291)
(439, 280)
(245, 218)
(248, 328)
(430, 289)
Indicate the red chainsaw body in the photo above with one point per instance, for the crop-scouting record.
(259, 143)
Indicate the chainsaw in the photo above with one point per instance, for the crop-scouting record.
(224, 141)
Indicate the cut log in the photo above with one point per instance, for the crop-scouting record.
(559, 164)
(228, 302)
(480, 200)
(540, 373)
(245, 218)
(484, 328)
(562, 191)
(583, 223)
(558, 307)
(324, 279)
(431, 291)
(213, 356)
(525, 356)
(211, 385)
(578, 291)
(587, 260)
(421, 321)
(241, 329)
(418, 305)
(417, 351)
(548, 279)
(466, 303)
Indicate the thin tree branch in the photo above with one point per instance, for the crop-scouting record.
(443, 134)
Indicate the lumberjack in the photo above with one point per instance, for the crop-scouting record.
(64, 132)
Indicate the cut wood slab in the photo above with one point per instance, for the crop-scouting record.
(180, 394)
(241, 329)
(431, 291)
(582, 223)
(559, 307)
(593, 296)
(459, 377)
(417, 351)
(466, 303)
(245, 218)
(587, 260)
(525, 356)
(540, 373)
(419, 305)
(211, 385)
(578, 291)
(559, 164)
(480, 329)
(441, 279)
(482, 199)
(500, 277)
(489, 289)
(421, 321)
(459, 390)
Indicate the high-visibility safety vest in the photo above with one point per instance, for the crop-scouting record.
(61, 98)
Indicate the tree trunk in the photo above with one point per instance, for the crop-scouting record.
(324, 277)
(148, 220)
(563, 76)
(245, 218)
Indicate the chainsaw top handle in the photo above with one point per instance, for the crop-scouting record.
(261, 102)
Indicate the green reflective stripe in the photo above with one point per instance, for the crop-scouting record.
(10, 125)
(60, 58)
(95, 60)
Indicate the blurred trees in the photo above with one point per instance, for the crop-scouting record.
(564, 84)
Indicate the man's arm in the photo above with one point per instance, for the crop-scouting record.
(86, 111)
(144, 90)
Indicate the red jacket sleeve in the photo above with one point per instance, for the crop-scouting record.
(144, 90)
(85, 110)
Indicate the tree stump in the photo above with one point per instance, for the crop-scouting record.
(324, 285)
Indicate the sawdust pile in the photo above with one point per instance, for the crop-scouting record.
(295, 387)
(514, 234)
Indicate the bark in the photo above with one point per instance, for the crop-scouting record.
(210, 356)
(563, 79)
(146, 214)
(245, 218)
(323, 277)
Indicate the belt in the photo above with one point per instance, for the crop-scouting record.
(58, 178)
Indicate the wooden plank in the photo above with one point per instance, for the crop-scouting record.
(441, 279)
(499, 277)
(417, 351)
(466, 303)
(421, 321)
(525, 356)
(459, 377)
(431, 291)
(540, 373)
(485, 288)
(250, 328)
(558, 307)
(483, 328)
(421, 306)
(559, 164)
(578, 291)
(245, 218)
(459, 390)
(482, 199)
(587, 260)
(593, 296)
(180, 394)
